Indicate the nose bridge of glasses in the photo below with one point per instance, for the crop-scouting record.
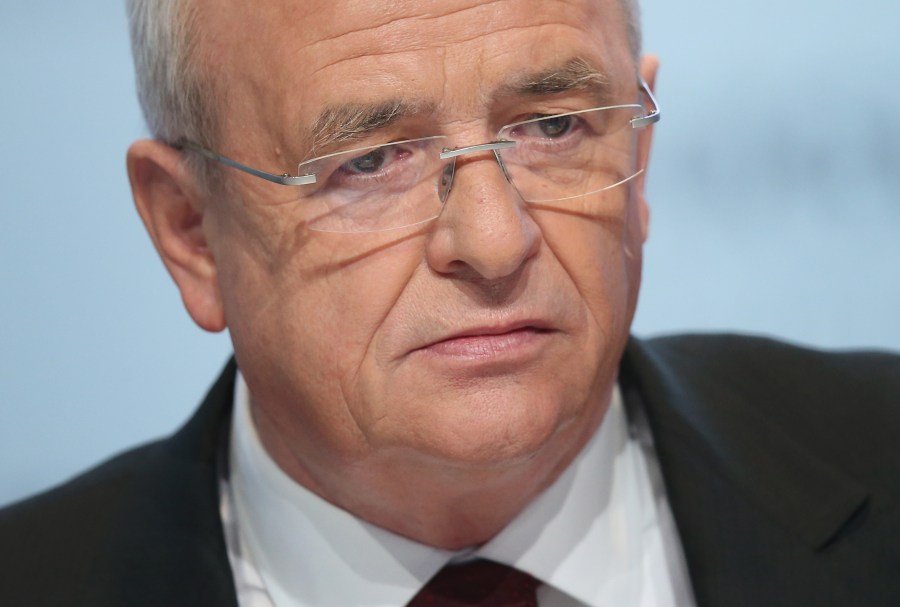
(452, 154)
(491, 146)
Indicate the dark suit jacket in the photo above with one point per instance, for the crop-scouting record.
(781, 464)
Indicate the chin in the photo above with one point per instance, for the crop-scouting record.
(493, 429)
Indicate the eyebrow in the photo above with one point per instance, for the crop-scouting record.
(354, 121)
(345, 122)
(576, 74)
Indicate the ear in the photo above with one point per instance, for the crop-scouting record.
(649, 68)
(172, 207)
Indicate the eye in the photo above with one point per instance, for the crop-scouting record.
(389, 166)
(555, 126)
(392, 165)
(546, 128)
(371, 162)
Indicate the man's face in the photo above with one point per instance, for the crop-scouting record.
(474, 340)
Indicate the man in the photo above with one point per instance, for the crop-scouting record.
(422, 224)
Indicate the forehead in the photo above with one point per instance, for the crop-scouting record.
(288, 59)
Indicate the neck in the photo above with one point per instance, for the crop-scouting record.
(447, 505)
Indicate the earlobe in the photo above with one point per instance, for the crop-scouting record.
(173, 208)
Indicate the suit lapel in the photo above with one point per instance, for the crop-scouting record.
(804, 494)
(175, 509)
(742, 491)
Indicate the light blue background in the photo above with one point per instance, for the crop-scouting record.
(774, 185)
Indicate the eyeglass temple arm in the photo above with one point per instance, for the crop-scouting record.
(284, 179)
(655, 113)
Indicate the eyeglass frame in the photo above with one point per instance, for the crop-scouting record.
(297, 180)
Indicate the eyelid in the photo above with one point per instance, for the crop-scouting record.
(560, 103)
(534, 114)
(360, 150)
(396, 158)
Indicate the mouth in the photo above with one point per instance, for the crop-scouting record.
(491, 342)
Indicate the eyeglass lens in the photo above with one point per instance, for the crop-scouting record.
(556, 160)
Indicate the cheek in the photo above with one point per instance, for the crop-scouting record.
(600, 253)
(313, 310)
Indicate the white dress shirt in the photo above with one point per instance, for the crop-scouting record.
(601, 535)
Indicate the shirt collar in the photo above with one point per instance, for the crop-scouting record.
(582, 535)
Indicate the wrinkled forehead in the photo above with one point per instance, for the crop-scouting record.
(289, 59)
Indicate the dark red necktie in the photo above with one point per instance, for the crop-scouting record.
(478, 583)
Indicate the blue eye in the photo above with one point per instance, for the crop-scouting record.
(555, 126)
(368, 163)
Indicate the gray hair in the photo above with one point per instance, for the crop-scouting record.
(176, 89)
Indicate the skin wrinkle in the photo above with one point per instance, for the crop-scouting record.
(294, 241)
(610, 223)
(401, 21)
(270, 246)
(276, 250)
(403, 235)
(409, 48)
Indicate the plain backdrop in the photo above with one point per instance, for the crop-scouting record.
(774, 188)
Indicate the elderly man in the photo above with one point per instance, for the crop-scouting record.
(421, 223)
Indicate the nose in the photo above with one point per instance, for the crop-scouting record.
(485, 230)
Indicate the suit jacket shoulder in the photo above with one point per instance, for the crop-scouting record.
(140, 529)
(781, 464)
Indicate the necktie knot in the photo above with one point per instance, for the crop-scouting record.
(478, 583)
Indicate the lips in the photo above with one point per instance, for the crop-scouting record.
(490, 341)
